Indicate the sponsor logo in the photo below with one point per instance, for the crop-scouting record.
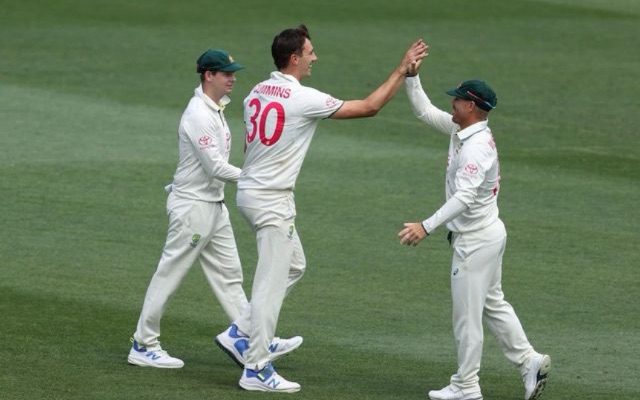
(471, 169)
(194, 240)
(331, 102)
(204, 140)
(273, 383)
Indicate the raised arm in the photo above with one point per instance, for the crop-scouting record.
(373, 103)
(424, 110)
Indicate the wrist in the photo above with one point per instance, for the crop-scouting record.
(401, 70)
(424, 229)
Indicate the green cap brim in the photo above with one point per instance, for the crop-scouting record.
(233, 67)
(457, 93)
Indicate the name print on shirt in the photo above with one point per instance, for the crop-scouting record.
(273, 91)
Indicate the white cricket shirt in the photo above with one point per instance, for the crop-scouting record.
(473, 171)
(281, 116)
(204, 143)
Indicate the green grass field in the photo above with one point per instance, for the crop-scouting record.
(90, 97)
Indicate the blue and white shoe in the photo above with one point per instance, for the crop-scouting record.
(281, 347)
(158, 358)
(236, 344)
(266, 380)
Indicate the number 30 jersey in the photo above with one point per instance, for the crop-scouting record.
(281, 116)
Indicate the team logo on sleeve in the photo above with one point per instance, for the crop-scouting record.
(331, 102)
(204, 141)
(471, 169)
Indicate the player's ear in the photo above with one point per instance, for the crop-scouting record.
(472, 106)
(294, 59)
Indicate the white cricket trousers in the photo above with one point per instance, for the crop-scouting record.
(281, 264)
(200, 231)
(476, 289)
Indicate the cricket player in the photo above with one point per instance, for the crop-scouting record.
(478, 238)
(199, 226)
(281, 116)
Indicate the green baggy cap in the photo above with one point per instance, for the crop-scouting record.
(478, 92)
(216, 60)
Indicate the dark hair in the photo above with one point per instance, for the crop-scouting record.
(213, 71)
(288, 42)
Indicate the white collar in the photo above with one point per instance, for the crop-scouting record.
(281, 76)
(472, 129)
(209, 102)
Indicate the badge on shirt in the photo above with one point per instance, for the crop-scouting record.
(205, 141)
(194, 240)
(331, 102)
(471, 169)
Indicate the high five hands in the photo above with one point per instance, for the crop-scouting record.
(413, 57)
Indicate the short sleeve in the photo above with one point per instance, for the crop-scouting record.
(319, 105)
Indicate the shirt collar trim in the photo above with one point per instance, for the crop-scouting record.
(281, 76)
(209, 102)
(472, 130)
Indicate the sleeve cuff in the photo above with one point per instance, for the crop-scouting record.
(412, 81)
(451, 209)
(426, 229)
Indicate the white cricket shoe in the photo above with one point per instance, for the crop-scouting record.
(281, 347)
(236, 344)
(453, 393)
(535, 375)
(266, 380)
(139, 355)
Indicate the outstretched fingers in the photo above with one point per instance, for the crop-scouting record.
(414, 56)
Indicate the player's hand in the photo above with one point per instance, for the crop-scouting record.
(414, 68)
(413, 57)
(412, 234)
